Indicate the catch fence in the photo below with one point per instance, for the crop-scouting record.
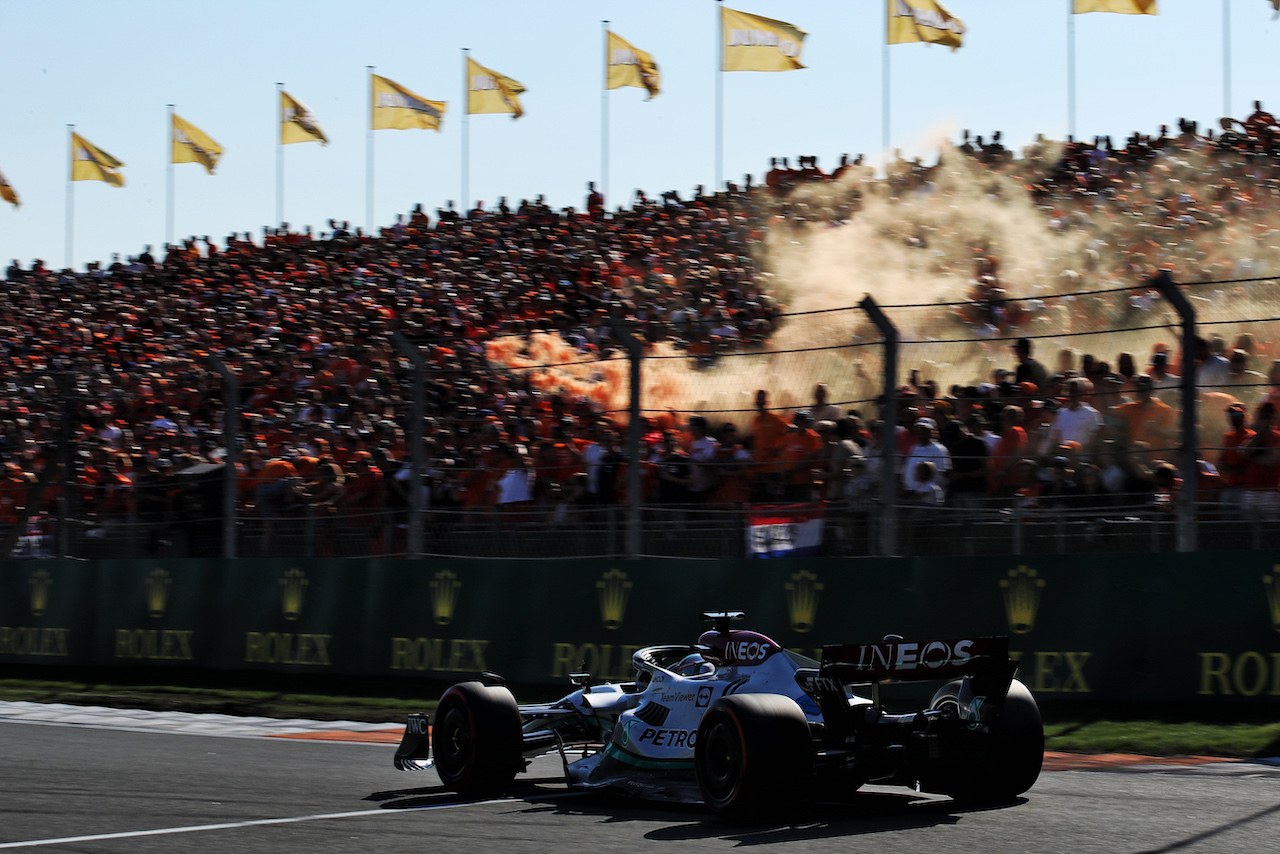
(940, 361)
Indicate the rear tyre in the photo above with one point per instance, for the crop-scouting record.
(1012, 756)
(753, 755)
(476, 739)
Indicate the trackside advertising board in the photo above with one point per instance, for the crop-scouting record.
(1177, 628)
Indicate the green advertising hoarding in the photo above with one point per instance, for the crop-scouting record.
(47, 612)
(1171, 627)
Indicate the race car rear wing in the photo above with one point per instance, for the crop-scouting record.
(981, 664)
(901, 660)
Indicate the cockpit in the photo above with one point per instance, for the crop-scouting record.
(695, 665)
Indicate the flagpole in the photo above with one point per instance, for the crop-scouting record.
(466, 137)
(719, 95)
(168, 210)
(884, 95)
(1226, 57)
(1071, 70)
(368, 169)
(71, 196)
(604, 116)
(280, 154)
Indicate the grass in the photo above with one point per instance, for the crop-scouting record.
(1165, 738)
(1175, 733)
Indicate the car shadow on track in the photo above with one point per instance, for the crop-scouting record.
(863, 813)
(437, 795)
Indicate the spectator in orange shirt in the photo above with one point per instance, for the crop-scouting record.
(800, 452)
(1231, 463)
(731, 468)
(364, 485)
(1262, 466)
(277, 477)
(362, 504)
(328, 487)
(767, 429)
(557, 459)
(1008, 452)
(1149, 421)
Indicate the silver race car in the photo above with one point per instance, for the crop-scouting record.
(749, 728)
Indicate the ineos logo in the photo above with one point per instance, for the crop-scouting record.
(744, 651)
(909, 656)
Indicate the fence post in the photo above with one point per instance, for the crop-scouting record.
(635, 356)
(416, 461)
(231, 446)
(68, 406)
(1188, 458)
(888, 428)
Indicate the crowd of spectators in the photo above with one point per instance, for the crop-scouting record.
(304, 319)
(1201, 203)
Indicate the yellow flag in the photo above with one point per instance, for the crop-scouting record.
(296, 122)
(396, 107)
(90, 163)
(631, 67)
(490, 92)
(8, 193)
(1124, 7)
(753, 43)
(192, 145)
(923, 21)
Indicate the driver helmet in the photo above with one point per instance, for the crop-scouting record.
(695, 665)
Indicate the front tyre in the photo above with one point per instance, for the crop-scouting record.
(753, 755)
(476, 739)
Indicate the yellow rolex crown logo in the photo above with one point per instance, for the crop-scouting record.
(802, 599)
(158, 592)
(292, 586)
(614, 589)
(444, 596)
(1021, 599)
(1272, 583)
(40, 582)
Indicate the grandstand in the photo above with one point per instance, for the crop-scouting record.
(116, 424)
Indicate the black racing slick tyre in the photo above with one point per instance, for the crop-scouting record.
(1012, 757)
(753, 755)
(476, 739)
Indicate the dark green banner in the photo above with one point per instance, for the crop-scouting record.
(1170, 627)
(47, 612)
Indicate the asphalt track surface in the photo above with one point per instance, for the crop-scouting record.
(87, 789)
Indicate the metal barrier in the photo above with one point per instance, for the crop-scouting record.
(1125, 524)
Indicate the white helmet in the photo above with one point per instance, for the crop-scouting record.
(694, 664)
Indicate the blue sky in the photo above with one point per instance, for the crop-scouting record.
(110, 67)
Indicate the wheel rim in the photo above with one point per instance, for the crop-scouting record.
(722, 769)
(454, 749)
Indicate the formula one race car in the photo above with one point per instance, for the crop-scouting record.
(748, 728)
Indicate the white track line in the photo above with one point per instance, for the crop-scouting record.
(232, 825)
(274, 736)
